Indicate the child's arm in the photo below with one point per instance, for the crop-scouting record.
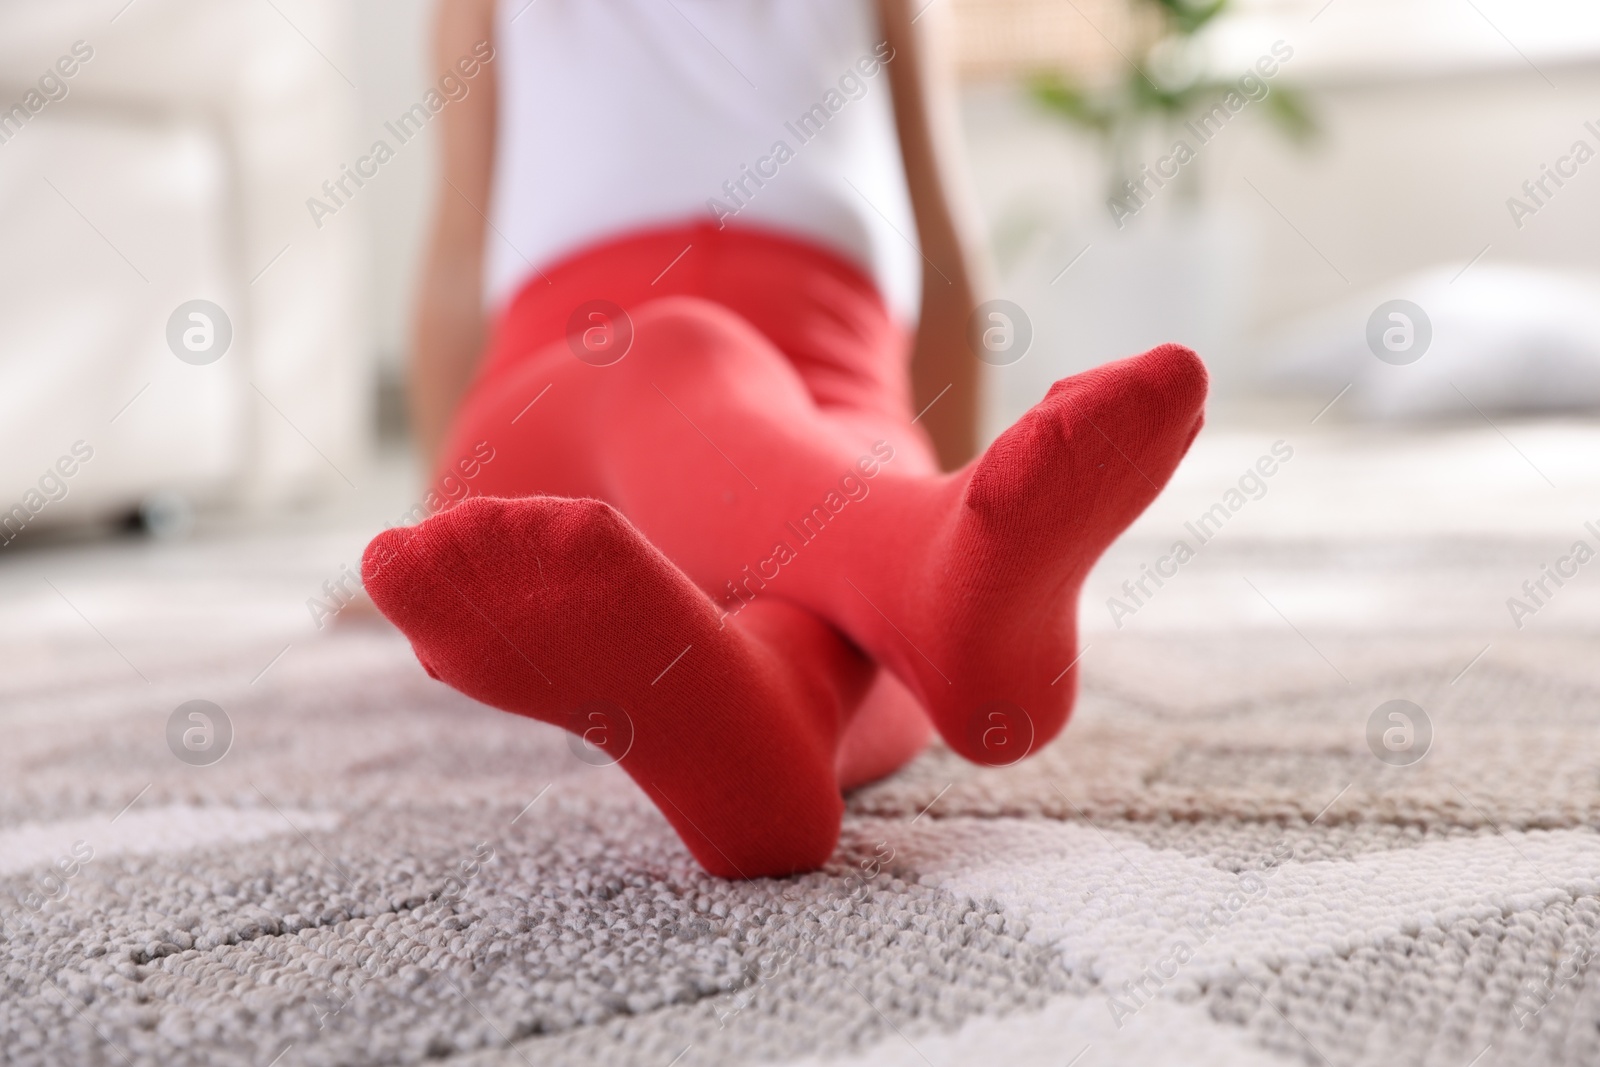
(952, 275)
(449, 326)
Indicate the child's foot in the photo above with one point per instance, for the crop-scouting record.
(560, 610)
(984, 625)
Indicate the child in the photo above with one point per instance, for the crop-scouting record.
(710, 515)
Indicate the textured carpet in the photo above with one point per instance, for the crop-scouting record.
(1210, 866)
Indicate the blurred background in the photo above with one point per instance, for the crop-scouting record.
(1343, 154)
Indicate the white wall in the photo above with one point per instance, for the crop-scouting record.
(391, 59)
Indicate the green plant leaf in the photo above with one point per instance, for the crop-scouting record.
(1063, 98)
(1288, 109)
(1187, 18)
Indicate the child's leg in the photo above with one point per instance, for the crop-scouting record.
(539, 424)
(965, 585)
(888, 729)
(560, 610)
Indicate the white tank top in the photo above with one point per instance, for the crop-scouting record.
(620, 115)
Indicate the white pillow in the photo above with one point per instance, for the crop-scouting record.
(1512, 339)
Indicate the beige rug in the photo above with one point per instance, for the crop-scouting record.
(1211, 866)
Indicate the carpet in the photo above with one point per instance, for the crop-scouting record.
(1221, 861)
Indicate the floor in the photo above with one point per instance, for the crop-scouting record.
(1219, 861)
